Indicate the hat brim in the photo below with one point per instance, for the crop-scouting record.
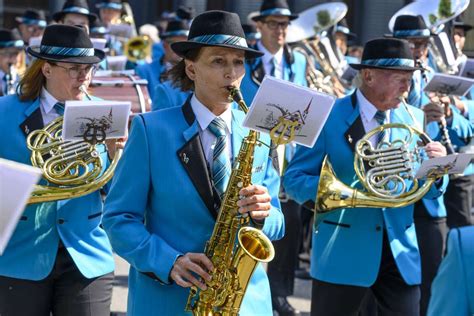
(408, 37)
(99, 55)
(260, 17)
(401, 68)
(181, 48)
(59, 15)
(466, 27)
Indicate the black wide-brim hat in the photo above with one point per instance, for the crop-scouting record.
(68, 44)
(343, 28)
(110, 4)
(33, 17)
(176, 28)
(76, 7)
(274, 7)
(387, 53)
(10, 38)
(216, 28)
(410, 27)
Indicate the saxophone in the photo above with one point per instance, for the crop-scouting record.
(234, 248)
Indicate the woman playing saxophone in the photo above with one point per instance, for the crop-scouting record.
(176, 168)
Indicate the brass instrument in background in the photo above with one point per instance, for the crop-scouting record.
(234, 248)
(382, 171)
(138, 48)
(305, 35)
(71, 168)
(437, 14)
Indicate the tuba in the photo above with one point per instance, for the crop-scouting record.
(308, 35)
(234, 248)
(71, 168)
(383, 171)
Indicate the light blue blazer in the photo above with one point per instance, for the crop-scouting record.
(161, 205)
(166, 96)
(294, 70)
(452, 291)
(31, 252)
(347, 243)
(151, 72)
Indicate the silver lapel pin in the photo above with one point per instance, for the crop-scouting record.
(185, 158)
(27, 130)
(349, 138)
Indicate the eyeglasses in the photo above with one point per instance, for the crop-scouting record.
(273, 25)
(74, 72)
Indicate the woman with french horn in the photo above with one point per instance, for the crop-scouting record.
(166, 194)
(359, 248)
(59, 259)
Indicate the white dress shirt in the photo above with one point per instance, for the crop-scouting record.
(367, 114)
(268, 62)
(47, 102)
(208, 140)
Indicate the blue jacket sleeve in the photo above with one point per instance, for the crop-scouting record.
(448, 291)
(301, 177)
(125, 209)
(161, 99)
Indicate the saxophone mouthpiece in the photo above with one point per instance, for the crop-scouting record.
(235, 93)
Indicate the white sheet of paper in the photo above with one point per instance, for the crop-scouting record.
(79, 116)
(98, 43)
(276, 98)
(114, 73)
(455, 162)
(116, 63)
(467, 69)
(449, 85)
(16, 184)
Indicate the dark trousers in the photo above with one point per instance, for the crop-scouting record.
(393, 295)
(458, 201)
(64, 292)
(281, 270)
(431, 234)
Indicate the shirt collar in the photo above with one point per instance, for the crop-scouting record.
(204, 116)
(268, 56)
(366, 108)
(47, 101)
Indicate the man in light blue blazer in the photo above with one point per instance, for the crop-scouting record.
(155, 72)
(452, 292)
(166, 193)
(362, 249)
(59, 259)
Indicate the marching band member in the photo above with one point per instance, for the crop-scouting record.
(283, 63)
(430, 215)
(452, 291)
(59, 259)
(75, 12)
(31, 24)
(363, 249)
(11, 60)
(278, 59)
(163, 204)
(110, 11)
(155, 72)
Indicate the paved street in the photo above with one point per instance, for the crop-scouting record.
(301, 299)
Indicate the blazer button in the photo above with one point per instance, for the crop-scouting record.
(61, 221)
(378, 228)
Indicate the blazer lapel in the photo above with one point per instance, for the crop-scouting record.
(192, 157)
(258, 72)
(34, 119)
(356, 128)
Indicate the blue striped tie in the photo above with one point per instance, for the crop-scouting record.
(221, 167)
(59, 107)
(273, 67)
(381, 117)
